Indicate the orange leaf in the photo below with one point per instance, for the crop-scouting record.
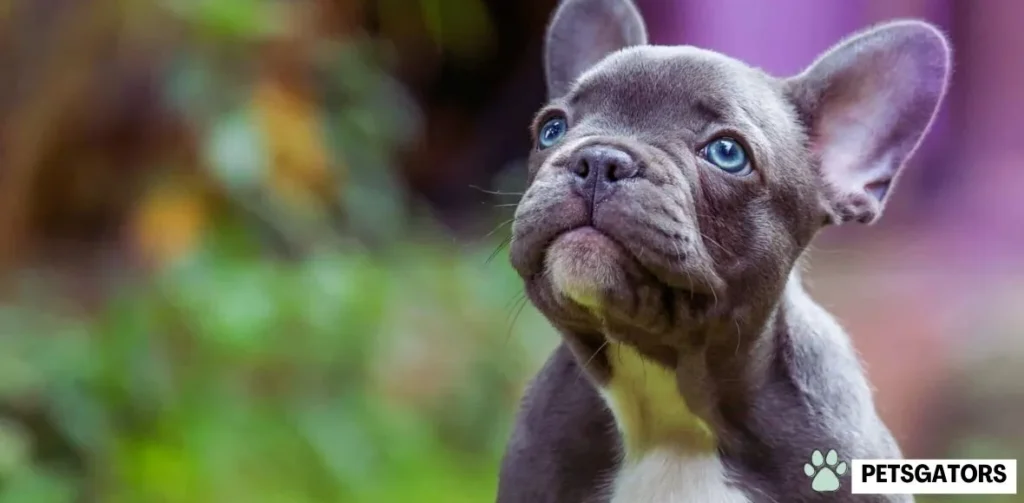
(299, 161)
(169, 223)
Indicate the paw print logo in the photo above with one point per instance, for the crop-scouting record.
(825, 471)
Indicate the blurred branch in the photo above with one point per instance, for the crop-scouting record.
(83, 30)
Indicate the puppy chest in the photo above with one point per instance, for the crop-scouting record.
(664, 476)
(670, 454)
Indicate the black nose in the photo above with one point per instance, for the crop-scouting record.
(599, 167)
(599, 164)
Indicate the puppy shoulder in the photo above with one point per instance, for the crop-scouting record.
(563, 445)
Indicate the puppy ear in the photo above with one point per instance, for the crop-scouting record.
(868, 102)
(583, 32)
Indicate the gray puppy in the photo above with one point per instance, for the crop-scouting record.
(672, 193)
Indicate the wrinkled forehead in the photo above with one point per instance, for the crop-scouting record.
(679, 86)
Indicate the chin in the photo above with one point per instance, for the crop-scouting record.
(591, 283)
(588, 268)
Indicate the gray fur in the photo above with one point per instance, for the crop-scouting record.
(707, 279)
(581, 33)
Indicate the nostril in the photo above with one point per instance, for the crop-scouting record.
(581, 168)
(621, 170)
(616, 172)
(604, 164)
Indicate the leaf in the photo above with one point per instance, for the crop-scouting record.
(37, 486)
(232, 20)
(236, 151)
(169, 222)
(300, 168)
(15, 449)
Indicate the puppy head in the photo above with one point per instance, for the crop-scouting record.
(672, 189)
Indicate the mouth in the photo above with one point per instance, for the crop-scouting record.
(617, 267)
(595, 271)
(596, 281)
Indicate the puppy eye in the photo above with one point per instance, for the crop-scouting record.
(552, 132)
(728, 155)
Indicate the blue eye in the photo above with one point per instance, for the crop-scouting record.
(728, 155)
(552, 132)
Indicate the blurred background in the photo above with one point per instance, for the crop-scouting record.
(251, 250)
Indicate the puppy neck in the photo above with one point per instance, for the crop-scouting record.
(649, 410)
(669, 453)
(657, 406)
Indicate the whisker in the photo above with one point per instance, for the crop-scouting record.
(716, 243)
(495, 192)
(506, 205)
(518, 307)
(584, 366)
(501, 246)
(511, 303)
(714, 294)
(511, 326)
(739, 336)
(496, 229)
(817, 250)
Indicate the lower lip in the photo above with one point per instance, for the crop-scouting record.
(589, 239)
(584, 233)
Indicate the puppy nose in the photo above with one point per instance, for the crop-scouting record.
(601, 165)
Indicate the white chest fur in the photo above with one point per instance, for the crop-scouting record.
(664, 476)
(670, 455)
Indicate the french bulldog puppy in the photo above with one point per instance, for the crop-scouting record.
(672, 194)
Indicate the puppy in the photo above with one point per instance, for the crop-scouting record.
(672, 193)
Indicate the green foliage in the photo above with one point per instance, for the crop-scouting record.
(341, 377)
(227, 20)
